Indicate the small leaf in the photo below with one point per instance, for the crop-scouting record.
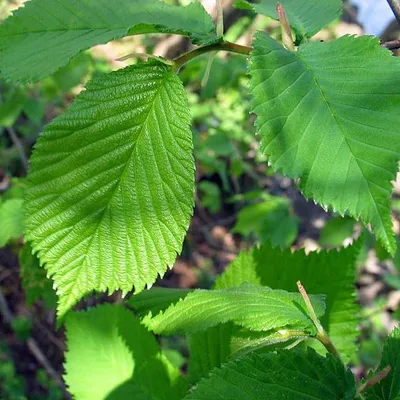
(111, 355)
(336, 231)
(389, 387)
(34, 43)
(291, 374)
(111, 184)
(253, 307)
(328, 114)
(11, 220)
(307, 17)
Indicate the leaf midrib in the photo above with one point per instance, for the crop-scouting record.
(118, 183)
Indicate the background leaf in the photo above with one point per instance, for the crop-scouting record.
(111, 184)
(11, 220)
(34, 43)
(328, 115)
(286, 375)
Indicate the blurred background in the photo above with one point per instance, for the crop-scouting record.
(240, 201)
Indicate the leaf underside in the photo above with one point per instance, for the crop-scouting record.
(111, 184)
(253, 307)
(307, 17)
(44, 35)
(286, 375)
(328, 114)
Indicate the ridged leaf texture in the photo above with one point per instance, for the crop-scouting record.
(11, 220)
(44, 35)
(112, 356)
(307, 17)
(389, 387)
(328, 114)
(252, 307)
(111, 184)
(291, 374)
(330, 272)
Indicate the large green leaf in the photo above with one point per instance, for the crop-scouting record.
(253, 307)
(110, 355)
(11, 220)
(388, 388)
(111, 184)
(286, 375)
(307, 17)
(328, 114)
(44, 35)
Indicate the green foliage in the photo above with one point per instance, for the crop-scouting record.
(306, 17)
(112, 212)
(335, 231)
(34, 43)
(112, 356)
(252, 307)
(328, 116)
(388, 388)
(286, 375)
(34, 280)
(11, 220)
(271, 220)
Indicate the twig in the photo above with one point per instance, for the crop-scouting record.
(321, 335)
(391, 45)
(374, 380)
(32, 346)
(395, 6)
(20, 148)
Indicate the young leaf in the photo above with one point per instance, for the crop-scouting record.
(44, 35)
(111, 184)
(328, 115)
(291, 374)
(389, 387)
(307, 17)
(111, 355)
(35, 283)
(331, 273)
(253, 307)
(11, 220)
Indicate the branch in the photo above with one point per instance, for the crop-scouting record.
(395, 6)
(32, 346)
(392, 45)
(18, 145)
(222, 46)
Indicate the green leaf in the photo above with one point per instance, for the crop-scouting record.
(307, 17)
(111, 184)
(336, 231)
(270, 220)
(111, 355)
(10, 108)
(291, 374)
(156, 300)
(252, 307)
(329, 116)
(44, 35)
(35, 283)
(11, 220)
(389, 387)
